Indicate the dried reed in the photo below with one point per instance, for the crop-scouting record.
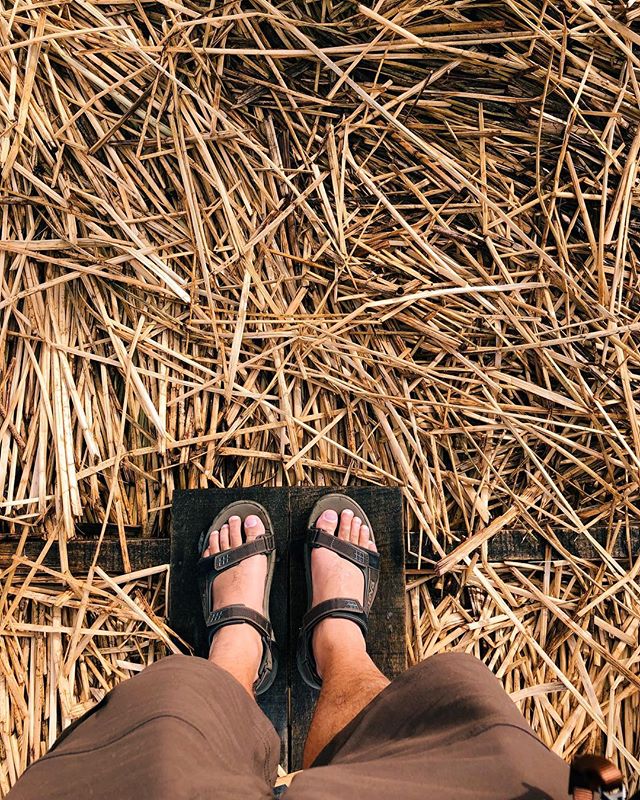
(276, 243)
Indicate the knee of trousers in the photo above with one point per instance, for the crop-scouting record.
(179, 683)
(457, 666)
(461, 680)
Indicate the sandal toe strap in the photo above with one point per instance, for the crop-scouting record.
(366, 560)
(214, 565)
(359, 556)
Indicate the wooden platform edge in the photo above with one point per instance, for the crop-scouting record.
(515, 544)
(519, 544)
(143, 553)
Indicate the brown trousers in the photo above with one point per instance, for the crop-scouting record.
(184, 728)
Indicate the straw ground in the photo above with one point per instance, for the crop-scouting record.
(277, 243)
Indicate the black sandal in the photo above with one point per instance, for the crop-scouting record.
(340, 607)
(210, 567)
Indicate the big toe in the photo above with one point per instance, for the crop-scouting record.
(328, 521)
(253, 527)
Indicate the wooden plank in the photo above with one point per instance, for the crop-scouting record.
(193, 511)
(515, 544)
(289, 704)
(386, 640)
(142, 553)
(520, 544)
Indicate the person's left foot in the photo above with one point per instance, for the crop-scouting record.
(238, 648)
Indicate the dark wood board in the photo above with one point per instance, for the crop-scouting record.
(520, 544)
(289, 703)
(511, 544)
(193, 511)
(143, 553)
(386, 639)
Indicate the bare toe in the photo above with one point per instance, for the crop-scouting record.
(235, 531)
(214, 543)
(344, 529)
(224, 537)
(253, 527)
(363, 539)
(372, 546)
(356, 524)
(327, 521)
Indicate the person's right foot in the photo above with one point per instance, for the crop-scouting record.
(238, 648)
(334, 576)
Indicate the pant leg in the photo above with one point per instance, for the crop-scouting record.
(182, 728)
(445, 729)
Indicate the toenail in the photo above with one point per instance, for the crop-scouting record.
(234, 519)
(330, 515)
(357, 519)
(251, 521)
(348, 511)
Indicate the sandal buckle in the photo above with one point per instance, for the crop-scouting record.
(360, 556)
(221, 560)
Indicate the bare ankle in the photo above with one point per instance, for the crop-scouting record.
(337, 642)
(238, 650)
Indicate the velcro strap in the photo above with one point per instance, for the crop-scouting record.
(337, 608)
(360, 556)
(262, 545)
(236, 614)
